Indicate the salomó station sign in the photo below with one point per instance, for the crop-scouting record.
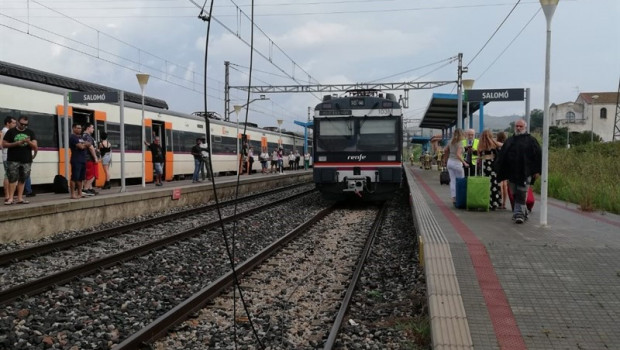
(93, 97)
(495, 95)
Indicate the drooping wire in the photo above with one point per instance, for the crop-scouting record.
(230, 252)
(495, 32)
(509, 44)
(449, 60)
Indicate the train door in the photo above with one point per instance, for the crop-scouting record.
(100, 122)
(168, 154)
(149, 135)
(62, 148)
(163, 130)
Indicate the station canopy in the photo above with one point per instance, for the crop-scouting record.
(441, 112)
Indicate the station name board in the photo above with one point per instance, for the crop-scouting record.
(495, 95)
(93, 97)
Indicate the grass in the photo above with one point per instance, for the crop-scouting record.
(586, 175)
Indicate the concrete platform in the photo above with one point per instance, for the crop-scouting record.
(50, 213)
(493, 284)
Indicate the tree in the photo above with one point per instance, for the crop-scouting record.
(536, 119)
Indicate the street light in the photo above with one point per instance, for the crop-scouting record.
(548, 7)
(143, 79)
(594, 98)
(237, 109)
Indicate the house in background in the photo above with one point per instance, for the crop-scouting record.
(591, 111)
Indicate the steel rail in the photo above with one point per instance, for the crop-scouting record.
(41, 284)
(344, 306)
(179, 313)
(40, 249)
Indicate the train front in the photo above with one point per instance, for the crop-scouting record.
(358, 146)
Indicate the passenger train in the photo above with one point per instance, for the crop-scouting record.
(40, 96)
(358, 145)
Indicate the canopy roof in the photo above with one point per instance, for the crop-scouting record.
(441, 112)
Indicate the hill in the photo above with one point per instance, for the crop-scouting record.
(495, 123)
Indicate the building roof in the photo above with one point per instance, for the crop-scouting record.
(603, 97)
(441, 112)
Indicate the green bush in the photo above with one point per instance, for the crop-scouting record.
(586, 175)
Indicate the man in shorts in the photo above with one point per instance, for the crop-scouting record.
(22, 148)
(78, 147)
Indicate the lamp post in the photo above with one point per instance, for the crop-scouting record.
(468, 84)
(237, 109)
(143, 79)
(280, 121)
(548, 7)
(594, 98)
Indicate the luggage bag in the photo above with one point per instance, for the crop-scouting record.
(478, 192)
(444, 177)
(461, 192)
(529, 200)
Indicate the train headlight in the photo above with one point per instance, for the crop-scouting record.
(391, 158)
(322, 158)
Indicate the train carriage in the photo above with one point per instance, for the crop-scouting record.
(40, 96)
(358, 146)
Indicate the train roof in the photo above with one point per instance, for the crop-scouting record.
(30, 74)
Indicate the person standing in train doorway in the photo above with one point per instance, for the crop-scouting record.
(520, 162)
(92, 160)
(197, 153)
(157, 154)
(78, 148)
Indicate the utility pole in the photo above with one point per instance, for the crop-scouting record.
(226, 91)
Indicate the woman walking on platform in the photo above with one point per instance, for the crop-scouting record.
(105, 148)
(487, 152)
(456, 162)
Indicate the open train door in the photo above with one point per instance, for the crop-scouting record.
(100, 118)
(62, 148)
(148, 157)
(169, 165)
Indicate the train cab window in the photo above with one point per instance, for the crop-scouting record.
(335, 135)
(378, 135)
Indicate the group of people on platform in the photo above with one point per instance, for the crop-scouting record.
(512, 164)
(86, 153)
(276, 159)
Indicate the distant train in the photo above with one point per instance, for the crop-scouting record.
(358, 145)
(39, 95)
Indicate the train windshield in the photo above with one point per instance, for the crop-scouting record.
(349, 135)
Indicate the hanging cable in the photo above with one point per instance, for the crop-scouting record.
(206, 17)
(496, 30)
(509, 44)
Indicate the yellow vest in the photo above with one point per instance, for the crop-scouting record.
(474, 147)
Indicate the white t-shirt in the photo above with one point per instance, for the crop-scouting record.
(204, 150)
(4, 150)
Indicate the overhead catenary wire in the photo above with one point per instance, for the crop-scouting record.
(495, 32)
(509, 44)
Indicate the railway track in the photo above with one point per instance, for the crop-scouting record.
(89, 262)
(135, 302)
(289, 274)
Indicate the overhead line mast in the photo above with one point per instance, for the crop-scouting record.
(405, 86)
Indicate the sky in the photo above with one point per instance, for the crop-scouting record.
(301, 42)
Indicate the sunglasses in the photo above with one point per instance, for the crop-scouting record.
(25, 125)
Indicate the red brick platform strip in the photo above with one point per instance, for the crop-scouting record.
(504, 323)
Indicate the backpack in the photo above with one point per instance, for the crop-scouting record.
(60, 184)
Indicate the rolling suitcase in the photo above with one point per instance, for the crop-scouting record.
(444, 177)
(529, 200)
(461, 192)
(478, 192)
